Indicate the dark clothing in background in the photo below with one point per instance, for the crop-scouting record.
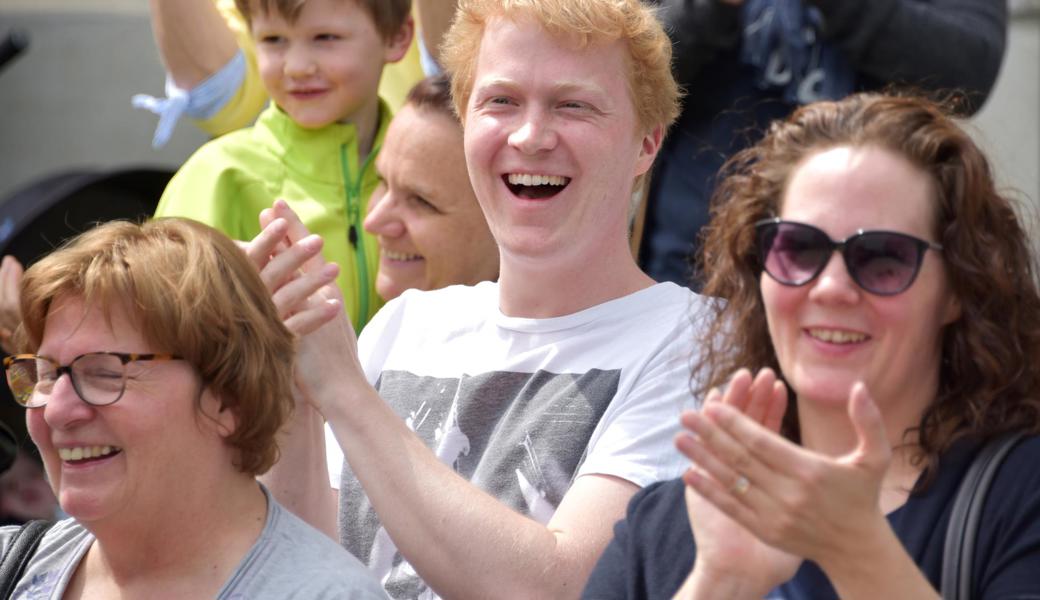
(929, 44)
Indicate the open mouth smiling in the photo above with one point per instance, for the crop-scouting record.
(535, 187)
(83, 454)
(401, 256)
(836, 336)
(306, 93)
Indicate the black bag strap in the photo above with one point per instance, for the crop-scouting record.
(959, 549)
(17, 558)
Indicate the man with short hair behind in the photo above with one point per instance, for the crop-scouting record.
(493, 434)
(429, 225)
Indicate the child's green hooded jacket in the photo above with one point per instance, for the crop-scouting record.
(228, 181)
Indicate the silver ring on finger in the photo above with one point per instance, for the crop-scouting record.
(740, 486)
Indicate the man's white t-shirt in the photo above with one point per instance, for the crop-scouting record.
(522, 407)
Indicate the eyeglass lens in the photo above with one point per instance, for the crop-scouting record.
(880, 262)
(97, 378)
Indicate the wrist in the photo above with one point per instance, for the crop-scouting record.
(343, 397)
(856, 561)
(707, 583)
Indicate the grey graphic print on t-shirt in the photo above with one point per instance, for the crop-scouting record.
(519, 436)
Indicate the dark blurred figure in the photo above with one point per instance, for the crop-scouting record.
(8, 447)
(13, 44)
(745, 63)
(24, 492)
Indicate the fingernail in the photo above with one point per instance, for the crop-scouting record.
(312, 242)
(329, 271)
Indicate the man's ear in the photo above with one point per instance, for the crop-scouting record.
(396, 46)
(648, 149)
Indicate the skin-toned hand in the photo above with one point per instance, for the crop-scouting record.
(819, 507)
(303, 288)
(725, 549)
(10, 315)
(289, 259)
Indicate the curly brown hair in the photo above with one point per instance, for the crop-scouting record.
(990, 368)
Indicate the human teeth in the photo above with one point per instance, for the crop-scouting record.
(528, 179)
(400, 255)
(83, 452)
(837, 337)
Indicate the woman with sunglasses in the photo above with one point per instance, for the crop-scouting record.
(886, 296)
(156, 375)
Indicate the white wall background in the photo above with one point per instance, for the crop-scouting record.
(65, 102)
(1008, 126)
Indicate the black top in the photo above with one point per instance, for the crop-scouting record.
(653, 551)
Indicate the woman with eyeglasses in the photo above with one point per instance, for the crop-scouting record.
(884, 294)
(156, 376)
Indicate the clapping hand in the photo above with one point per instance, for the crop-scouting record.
(792, 498)
(302, 286)
(731, 561)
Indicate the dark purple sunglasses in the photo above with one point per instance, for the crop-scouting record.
(881, 262)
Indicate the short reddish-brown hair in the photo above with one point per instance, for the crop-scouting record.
(652, 88)
(193, 293)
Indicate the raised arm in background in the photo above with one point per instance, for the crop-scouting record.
(193, 38)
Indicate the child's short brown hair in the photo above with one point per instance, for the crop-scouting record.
(388, 15)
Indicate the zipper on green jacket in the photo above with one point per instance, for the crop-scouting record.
(353, 192)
